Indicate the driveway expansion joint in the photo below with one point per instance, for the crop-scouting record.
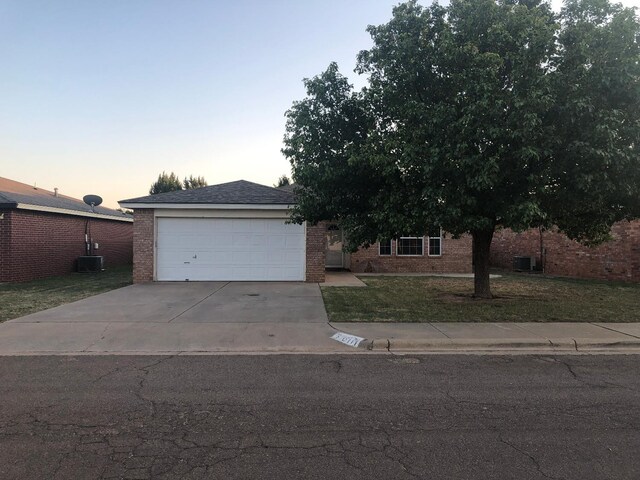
(102, 336)
(614, 330)
(440, 330)
(199, 302)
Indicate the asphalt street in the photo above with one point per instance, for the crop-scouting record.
(320, 417)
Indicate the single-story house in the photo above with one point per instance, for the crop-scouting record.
(239, 231)
(42, 233)
(556, 254)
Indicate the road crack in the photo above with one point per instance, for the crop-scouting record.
(533, 459)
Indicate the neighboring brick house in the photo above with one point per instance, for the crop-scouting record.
(240, 231)
(617, 259)
(42, 233)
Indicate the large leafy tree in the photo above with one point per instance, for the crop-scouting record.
(593, 176)
(480, 115)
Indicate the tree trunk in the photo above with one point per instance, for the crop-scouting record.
(481, 249)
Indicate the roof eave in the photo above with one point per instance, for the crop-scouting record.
(210, 206)
(66, 211)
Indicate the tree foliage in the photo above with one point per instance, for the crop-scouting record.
(593, 177)
(283, 181)
(193, 182)
(170, 182)
(479, 115)
(166, 182)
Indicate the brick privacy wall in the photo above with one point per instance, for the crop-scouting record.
(316, 251)
(618, 259)
(42, 244)
(143, 240)
(455, 258)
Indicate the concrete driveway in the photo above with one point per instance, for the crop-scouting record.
(180, 317)
(195, 302)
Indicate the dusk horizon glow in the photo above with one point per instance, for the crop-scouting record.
(101, 97)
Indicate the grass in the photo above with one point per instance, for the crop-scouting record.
(18, 299)
(519, 298)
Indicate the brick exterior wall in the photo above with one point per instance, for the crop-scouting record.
(5, 242)
(316, 251)
(618, 259)
(40, 244)
(455, 258)
(143, 241)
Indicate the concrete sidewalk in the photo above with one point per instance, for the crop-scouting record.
(137, 338)
(496, 337)
(58, 338)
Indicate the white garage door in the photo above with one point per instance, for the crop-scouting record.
(229, 249)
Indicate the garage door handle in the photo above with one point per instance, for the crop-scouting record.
(187, 262)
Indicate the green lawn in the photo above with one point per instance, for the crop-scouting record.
(18, 299)
(519, 298)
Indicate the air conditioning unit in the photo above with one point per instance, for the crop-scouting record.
(524, 264)
(90, 264)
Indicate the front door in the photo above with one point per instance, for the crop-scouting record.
(334, 256)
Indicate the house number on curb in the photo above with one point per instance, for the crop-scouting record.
(347, 339)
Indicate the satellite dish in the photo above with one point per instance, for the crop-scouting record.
(92, 200)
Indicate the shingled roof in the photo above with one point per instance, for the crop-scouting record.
(20, 195)
(240, 192)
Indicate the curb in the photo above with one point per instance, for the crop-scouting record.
(439, 345)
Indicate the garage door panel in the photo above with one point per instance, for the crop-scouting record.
(246, 226)
(276, 241)
(244, 259)
(280, 227)
(293, 242)
(249, 240)
(229, 249)
(277, 257)
(292, 257)
(219, 238)
(173, 240)
(175, 256)
(258, 240)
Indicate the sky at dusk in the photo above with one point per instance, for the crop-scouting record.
(102, 96)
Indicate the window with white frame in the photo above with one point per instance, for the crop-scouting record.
(384, 247)
(410, 246)
(435, 243)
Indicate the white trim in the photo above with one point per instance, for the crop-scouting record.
(155, 249)
(409, 238)
(429, 245)
(210, 206)
(66, 211)
(304, 268)
(220, 213)
(390, 254)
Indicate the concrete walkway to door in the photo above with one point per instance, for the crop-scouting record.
(187, 317)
